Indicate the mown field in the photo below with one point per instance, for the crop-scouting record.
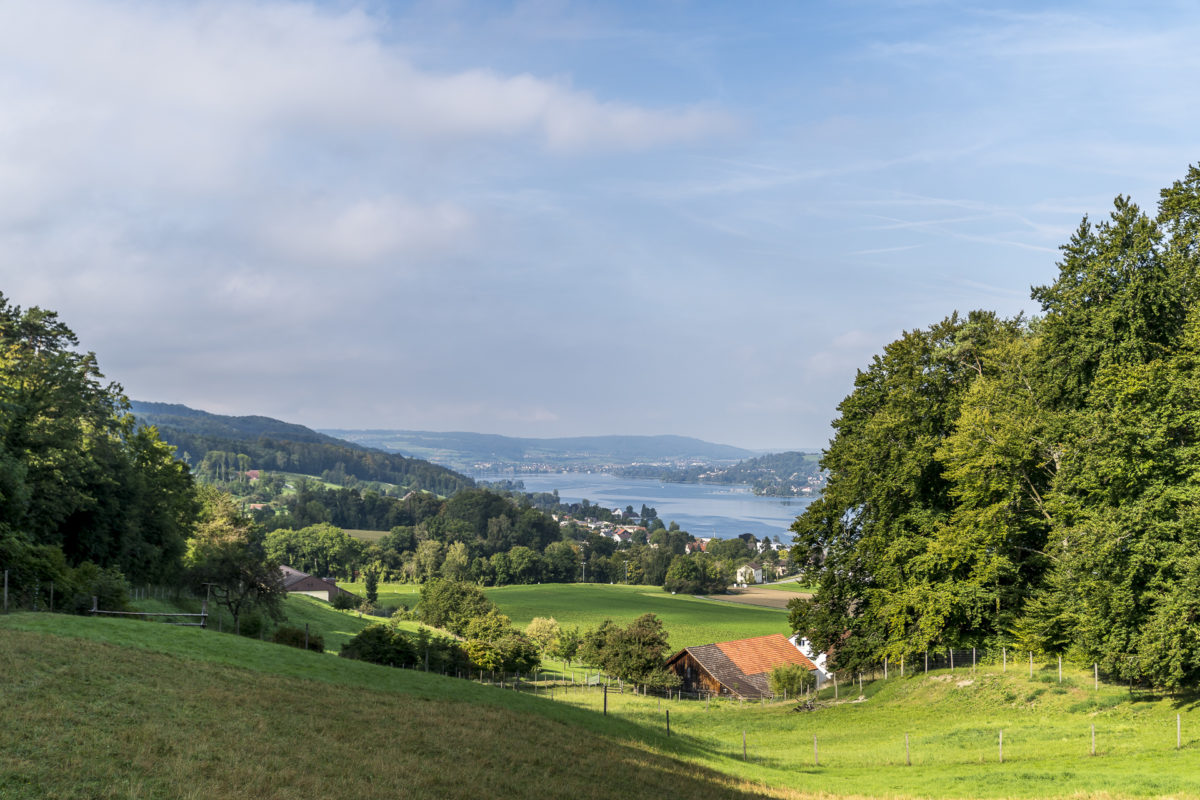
(126, 709)
(688, 620)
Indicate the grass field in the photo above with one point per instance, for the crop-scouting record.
(110, 713)
(688, 620)
(366, 536)
(103, 708)
(336, 627)
(953, 723)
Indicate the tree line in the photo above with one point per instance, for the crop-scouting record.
(482, 638)
(1029, 482)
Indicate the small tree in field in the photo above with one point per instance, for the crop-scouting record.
(544, 632)
(792, 679)
(567, 645)
(372, 586)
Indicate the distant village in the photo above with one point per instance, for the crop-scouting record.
(772, 561)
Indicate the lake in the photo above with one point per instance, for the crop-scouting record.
(701, 509)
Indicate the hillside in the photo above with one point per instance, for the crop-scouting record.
(284, 447)
(253, 719)
(261, 720)
(479, 451)
(790, 474)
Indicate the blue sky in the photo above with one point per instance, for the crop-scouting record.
(557, 218)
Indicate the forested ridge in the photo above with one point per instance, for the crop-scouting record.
(265, 443)
(786, 474)
(1030, 482)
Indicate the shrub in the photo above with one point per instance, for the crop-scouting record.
(382, 644)
(379, 644)
(793, 679)
(293, 636)
(344, 602)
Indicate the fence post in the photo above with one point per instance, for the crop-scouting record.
(816, 753)
(1004, 655)
(972, 659)
(835, 686)
(926, 662)
(95, 604)
(885, 675)
(951, 650)
(606, 699)
(668, 723)
(907, 757)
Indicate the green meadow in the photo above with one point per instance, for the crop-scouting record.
(689, 620)
(121, 708)
(107, 708)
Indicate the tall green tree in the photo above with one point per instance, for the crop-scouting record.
(226, 559)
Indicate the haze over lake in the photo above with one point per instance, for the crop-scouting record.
(723, 511)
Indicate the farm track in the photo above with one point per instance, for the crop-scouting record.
(757, 596)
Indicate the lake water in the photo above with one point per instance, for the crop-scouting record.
(702, 510)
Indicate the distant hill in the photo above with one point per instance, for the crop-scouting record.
(790, 474)
(285, 447)
(471, 451)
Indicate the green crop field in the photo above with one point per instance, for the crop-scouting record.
(689, 620)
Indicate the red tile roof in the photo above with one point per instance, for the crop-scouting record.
(763, 653)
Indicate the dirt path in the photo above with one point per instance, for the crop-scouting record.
(758, 596)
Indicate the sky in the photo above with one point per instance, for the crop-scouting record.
(557, 218)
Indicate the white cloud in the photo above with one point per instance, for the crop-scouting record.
(361, 232)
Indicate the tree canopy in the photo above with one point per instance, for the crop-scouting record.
(1033, 482)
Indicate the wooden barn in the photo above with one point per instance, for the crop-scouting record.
(739, 668)
(297, 582)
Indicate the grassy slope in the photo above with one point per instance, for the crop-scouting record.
(953, 724)
(148, 710)
(142, 710)
(689, 621)
(337, 627)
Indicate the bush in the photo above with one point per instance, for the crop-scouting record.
(344, 602)
(379, 644)
(106, 585)
(793, 679)
(293, 636)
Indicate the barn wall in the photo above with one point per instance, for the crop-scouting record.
(693, 677)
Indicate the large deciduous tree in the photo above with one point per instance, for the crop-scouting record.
(998, 481)
(227, 558)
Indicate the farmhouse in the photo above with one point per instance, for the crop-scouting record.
(750, 573)
(739, 668)
(297, 582)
